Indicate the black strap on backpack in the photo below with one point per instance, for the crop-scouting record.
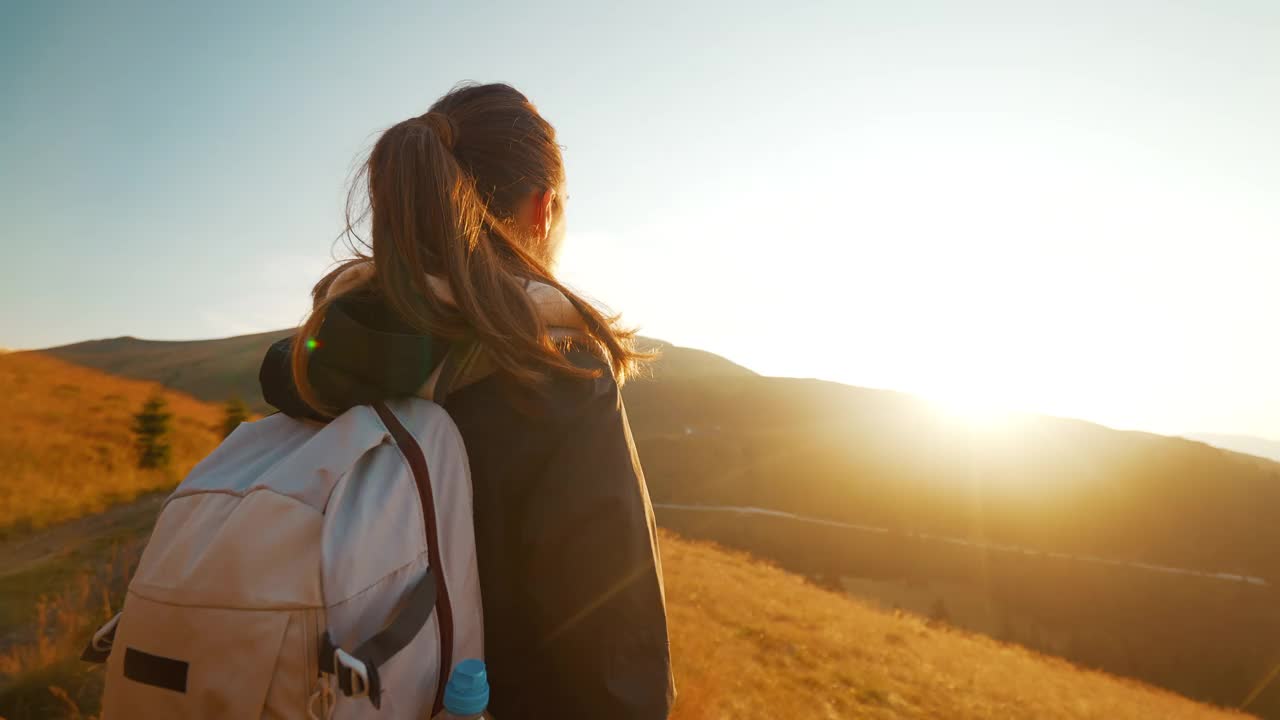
(357, 671)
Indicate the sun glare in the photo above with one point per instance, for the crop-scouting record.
(974, 410)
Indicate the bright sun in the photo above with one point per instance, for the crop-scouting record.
(978, 411)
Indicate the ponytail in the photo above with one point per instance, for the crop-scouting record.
(442, 193)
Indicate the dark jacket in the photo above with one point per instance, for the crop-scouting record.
(574, 614)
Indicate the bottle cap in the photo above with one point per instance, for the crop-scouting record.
(468, 690)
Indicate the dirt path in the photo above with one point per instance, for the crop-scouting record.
(69, 538)
(46, 561)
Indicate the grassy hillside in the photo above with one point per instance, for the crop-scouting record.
(753, 641)
(1200, 637)
(748, 640)
(67, 448)
(216, 370)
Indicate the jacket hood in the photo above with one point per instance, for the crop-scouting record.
(363, 352)
(552, 305)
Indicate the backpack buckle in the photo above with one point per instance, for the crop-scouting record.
(105, 635)
(357, 673)
(99, 647)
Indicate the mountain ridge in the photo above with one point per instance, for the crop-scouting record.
(1244, 444)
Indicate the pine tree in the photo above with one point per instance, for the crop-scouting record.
(151, 433)
(939, 614)
(234, 413)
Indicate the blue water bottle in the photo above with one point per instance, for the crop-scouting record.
(466, 697)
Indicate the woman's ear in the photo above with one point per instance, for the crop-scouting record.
(544, 215)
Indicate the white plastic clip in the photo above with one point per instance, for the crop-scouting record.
(359, 672)
(100, 641)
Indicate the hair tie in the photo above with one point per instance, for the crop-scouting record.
(442, 125)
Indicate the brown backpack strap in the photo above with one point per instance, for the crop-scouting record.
(357, 671)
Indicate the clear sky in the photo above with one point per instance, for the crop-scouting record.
(1071, 208)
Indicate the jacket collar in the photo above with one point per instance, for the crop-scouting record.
(467, 362)
(553, 306)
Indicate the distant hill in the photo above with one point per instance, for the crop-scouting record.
(216, 370)
(1260, 447)
(211, 370)
(675, 361)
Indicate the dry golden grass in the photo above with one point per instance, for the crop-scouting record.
(748, 641)
(67, 448)
(62, 621)
(751, 641)
(41, 676)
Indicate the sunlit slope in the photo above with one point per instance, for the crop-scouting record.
(891, 460)
(67, 448)
(215, 370)
(1060, 489)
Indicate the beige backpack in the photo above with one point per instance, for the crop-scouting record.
(297, 572)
